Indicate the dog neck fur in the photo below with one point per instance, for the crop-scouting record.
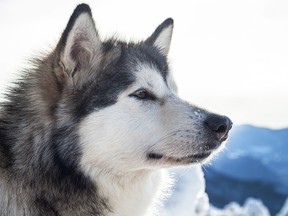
(137, 193)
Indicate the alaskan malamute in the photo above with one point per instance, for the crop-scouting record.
(89, 129)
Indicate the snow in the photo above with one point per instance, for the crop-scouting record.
(189, 199)
(284, 210)
(252, 207)
(188, 193)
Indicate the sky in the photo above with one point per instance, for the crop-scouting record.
(228, 56)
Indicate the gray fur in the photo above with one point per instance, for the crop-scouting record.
(39, 140)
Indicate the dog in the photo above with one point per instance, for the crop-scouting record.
(90, 129)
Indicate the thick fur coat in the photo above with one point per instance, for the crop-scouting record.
(89, 129)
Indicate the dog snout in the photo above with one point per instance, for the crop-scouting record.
(219, 125)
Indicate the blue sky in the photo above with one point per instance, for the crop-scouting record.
(227, 56)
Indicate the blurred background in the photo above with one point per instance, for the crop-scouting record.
(227, 56)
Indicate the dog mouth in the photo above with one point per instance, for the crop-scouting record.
(194, 158)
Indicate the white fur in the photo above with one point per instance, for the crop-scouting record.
(116, 140)
(130, 194)
(164, 39)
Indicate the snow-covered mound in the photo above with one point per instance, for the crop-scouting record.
(188, 193)
(189, 199)
(284, 210)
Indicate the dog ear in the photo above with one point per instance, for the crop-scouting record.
(161, 37)
(80, 47)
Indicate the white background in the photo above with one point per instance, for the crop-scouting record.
(228, 56)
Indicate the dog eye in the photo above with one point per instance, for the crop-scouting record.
(143, 94)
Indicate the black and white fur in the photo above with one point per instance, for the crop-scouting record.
(89, 129)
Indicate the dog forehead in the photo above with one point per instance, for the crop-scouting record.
(148, 76)
(144, 56)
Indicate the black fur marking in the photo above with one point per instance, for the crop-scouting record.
(66, 152)
(5, 149)
(45, 207)
(104, 90)
(154, 156)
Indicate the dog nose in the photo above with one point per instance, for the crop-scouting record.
(220, 125)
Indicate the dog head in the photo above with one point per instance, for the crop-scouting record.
(123, 98)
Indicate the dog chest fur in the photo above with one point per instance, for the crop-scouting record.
(138, 193)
